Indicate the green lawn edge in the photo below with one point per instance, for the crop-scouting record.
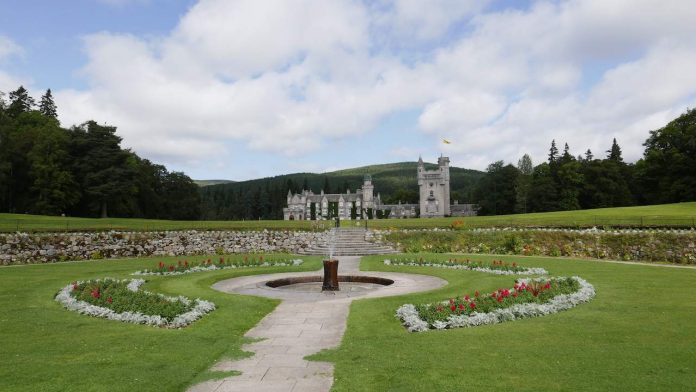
(46, 347)
(669, 215)
(636, 334)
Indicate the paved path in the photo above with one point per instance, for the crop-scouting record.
(303, 324)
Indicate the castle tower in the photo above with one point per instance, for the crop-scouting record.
(434, 186)
(443, 163)
(368, 192)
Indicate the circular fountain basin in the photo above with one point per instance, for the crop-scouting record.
(313, 284)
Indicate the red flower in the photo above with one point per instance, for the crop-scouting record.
(96, 293)
(171, 268)
(472, 305)
(514, 294)
(466, 297)
(476, 294)
(453, 308)
(109, 300)
(451, 301)
(462, 307)
(547, 285)
(74, 286)
(161, 264)
(186, 263)
(514, 264)
(439, 308)
(500, 299)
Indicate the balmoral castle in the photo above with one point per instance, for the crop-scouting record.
(434, 200)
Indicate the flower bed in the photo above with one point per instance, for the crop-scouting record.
(123, 300)
(184, 267)
(497, 267)
(528, 298)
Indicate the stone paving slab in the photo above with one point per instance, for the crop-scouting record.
(303, 324)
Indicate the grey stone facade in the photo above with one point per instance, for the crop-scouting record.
(434, 188)
(300, 205)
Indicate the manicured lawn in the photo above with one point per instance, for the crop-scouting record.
(679, 214)
(637, 334)
(45, 347)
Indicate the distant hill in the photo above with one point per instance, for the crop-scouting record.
(211, 182)
(266, 197)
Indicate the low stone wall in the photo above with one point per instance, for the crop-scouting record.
(22, 248)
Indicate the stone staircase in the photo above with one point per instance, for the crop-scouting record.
(347, 242)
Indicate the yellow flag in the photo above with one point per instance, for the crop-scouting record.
(446, 141)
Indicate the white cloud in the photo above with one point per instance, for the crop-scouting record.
(290, 76)
(8, 48)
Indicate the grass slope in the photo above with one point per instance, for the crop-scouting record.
(45, 347)
(636, 335)
(679, 214)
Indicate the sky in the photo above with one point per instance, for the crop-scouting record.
(241, 89)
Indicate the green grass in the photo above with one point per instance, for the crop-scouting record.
(679, 214)
(637, 334)
(45, 347)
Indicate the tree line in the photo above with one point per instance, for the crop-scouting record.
(80, 171)
(665, 174)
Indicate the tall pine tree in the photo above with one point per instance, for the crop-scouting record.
(47, 106)
(20, 102)
(614, 154)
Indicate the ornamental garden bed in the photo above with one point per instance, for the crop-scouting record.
(123, 300)
(184, 267)
(527, 298)
(497, 267)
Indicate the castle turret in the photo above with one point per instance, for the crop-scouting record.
(368, 192)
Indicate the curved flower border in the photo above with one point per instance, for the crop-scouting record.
(199, 310)
(528, 271)
(412, 321)
(213, 267)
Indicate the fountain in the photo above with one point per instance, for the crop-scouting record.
(330, 282)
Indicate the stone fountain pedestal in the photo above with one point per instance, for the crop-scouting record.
(330, 282)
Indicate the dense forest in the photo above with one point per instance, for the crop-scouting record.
(665, 174)
(81, 171)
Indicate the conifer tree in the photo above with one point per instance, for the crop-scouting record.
(20, 102)
(553, 152)
(47, 106)
(615, 152)
(588, 155)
